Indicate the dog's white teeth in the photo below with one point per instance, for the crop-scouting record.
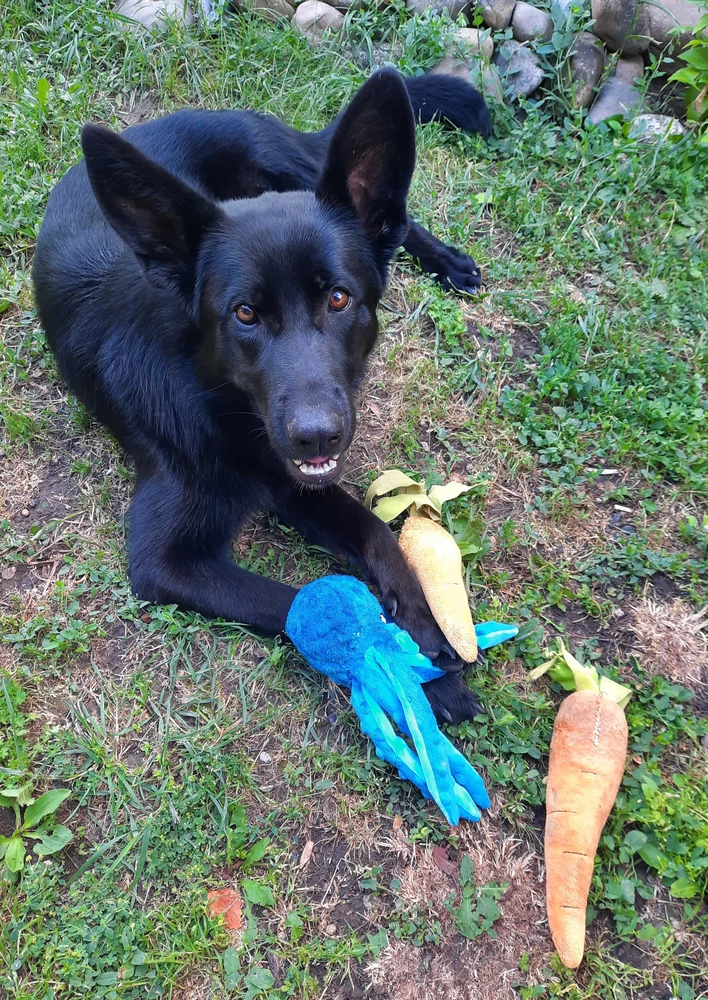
(315, 470)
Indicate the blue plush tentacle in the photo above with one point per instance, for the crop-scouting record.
(389, 745)
(427, 739)
(339, 626)
(466, 776)
(466, 804)
(492, 633)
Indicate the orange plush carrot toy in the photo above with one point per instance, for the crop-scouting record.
(588, 752)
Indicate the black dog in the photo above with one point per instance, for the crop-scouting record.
(208, 283)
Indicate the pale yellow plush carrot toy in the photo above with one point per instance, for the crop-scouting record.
(432, 552)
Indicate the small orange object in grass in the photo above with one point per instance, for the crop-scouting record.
(588, 752)
(228, 903)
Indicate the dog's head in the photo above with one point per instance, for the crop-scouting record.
(283, 287)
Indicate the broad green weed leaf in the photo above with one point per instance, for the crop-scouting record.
(651, 855)
(232, 969)
(43, 89)
(15, 855)
(295, 924)
(635, 839)
(466, 870)
(256, 893)
(683, 888)
(22, 795)
(258, 980)
(257, 852)
(52, 843)
(378, 941)
(44, 806)
(469, 536)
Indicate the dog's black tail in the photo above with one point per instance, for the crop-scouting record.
(448, 98)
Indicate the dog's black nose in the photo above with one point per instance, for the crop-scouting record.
(316, 432)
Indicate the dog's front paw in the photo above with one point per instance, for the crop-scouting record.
(456, 271)
(451, 700)
(411, 613)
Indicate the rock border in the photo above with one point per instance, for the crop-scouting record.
(622, 36)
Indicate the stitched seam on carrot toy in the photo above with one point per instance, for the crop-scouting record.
(596, 729)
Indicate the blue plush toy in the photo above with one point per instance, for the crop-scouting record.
(341, 630)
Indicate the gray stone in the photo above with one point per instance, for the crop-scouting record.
(313, 18)
(483, 77)
(630, 69)
(153, 14)
(651, 128)
(587, 61)
(519, 68)
(668, 16)
(616, 98)
(491, 85)
(475, 40)
(455, 7)
(530, 23)
(470, 49)
(488, 81)
(497, 13)
(271, 10)
(623, 25)
(454, 65)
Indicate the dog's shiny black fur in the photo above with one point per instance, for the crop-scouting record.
(152, 252)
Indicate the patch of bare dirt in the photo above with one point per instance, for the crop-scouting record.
(200, 985)
(327, 874)
(7, 822)
(135, 109)
(485, 968)
(671, 639)
(526, 343)
(404, 384)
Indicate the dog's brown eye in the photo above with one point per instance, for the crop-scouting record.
(339, 300)
(246, 315)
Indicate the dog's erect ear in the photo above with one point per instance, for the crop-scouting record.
(371, 159)
(160, 217)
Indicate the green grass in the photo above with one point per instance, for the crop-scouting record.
(199, 756)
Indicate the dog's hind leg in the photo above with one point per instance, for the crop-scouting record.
(452, 268)
(441, 97)
(449, 99)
